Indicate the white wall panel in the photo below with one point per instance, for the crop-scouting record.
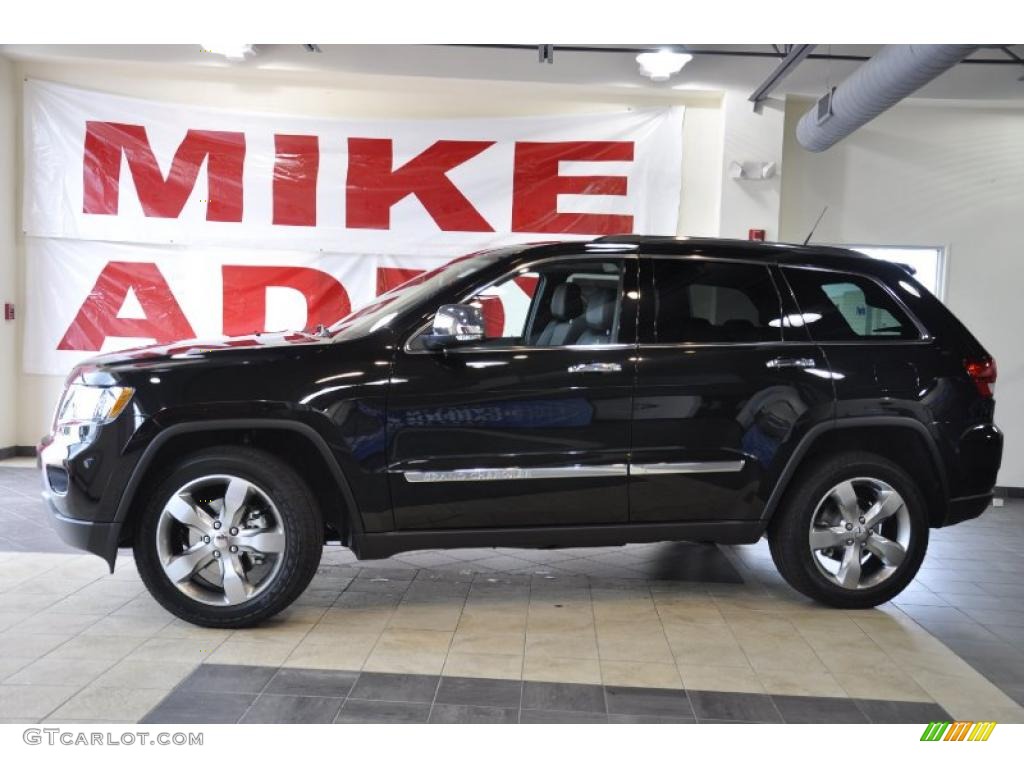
(8, 263)
(941, 174)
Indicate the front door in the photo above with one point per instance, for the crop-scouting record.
(531, 426)
(724, 382)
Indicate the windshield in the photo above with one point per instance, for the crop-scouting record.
(386, 307)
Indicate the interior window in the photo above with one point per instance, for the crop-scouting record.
(840, 307)
(927, 263)
(559, 303)
(713, 302)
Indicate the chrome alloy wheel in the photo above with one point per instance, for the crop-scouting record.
(860, 533)
(220, 540)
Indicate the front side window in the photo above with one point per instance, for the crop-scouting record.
(556, 304)
(386, 307)
(843, 307)
(697, 301)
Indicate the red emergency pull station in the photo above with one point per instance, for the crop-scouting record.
(8, 311)
(756, 234)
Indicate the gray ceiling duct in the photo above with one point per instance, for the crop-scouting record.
(891, 75)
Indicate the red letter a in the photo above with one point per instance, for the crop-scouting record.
(164, 321)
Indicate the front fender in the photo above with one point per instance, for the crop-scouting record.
(188, 427)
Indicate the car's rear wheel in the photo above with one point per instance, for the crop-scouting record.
(852, 532)
(229, 537)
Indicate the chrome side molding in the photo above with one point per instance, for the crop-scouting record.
(578, 470)
(791, 362)
(514, 473)
(595, 368)
(686, 467)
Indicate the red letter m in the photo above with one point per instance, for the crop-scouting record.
(223, 151)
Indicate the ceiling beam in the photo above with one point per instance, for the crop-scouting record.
(700, 52)
(794, 56)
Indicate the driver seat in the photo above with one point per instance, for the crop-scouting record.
(566, 312)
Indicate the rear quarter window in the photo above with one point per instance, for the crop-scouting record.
(845, 307)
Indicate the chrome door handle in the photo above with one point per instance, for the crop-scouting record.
(791, 362)
(595, 368)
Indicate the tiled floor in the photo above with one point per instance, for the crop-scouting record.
(710, 633)
(255, 694)
(23, 524)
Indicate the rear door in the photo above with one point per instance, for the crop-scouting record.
(724, 384)
(531, 426)
(880, 357)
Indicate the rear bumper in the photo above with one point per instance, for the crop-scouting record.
(979, 453)
(974, 467)
(966, 508)
(98, 538)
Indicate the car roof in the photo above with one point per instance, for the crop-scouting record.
(775, 253)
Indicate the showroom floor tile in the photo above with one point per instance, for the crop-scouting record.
(230, 694)
(639, 633)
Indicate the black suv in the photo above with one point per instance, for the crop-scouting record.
(627, 389)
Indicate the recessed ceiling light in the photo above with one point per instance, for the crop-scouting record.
(661, 65)
(230, 51)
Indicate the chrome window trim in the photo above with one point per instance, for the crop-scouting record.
(788, 342)
(489, 474)
(687, 467)
(767, 262)
(867, 341)
(497, 350)
(596, 256)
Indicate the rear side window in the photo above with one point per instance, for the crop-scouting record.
(844, 307)
(712, 302)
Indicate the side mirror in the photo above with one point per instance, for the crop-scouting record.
(454, 324)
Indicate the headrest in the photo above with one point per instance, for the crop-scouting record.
(566, 302)
(600, 310)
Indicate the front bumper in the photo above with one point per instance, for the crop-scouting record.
(98, 538)
(84, 475)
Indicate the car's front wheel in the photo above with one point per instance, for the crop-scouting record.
(852, 532)
(229, 537)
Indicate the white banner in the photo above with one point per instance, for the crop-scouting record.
(89, 297)
(102, 167)
(159, 222)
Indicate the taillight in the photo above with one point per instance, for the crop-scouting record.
(983, 374)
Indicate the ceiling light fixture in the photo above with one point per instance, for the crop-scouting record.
(230, 51)
(661, 65)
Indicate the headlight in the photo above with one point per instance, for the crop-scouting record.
(92, 405)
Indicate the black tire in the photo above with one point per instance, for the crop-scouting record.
(299, 514)
(788, 534)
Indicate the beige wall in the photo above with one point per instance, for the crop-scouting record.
(939, 174)
(750, 137)
(9, 362)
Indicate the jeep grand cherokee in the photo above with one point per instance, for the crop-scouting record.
(627, 389)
